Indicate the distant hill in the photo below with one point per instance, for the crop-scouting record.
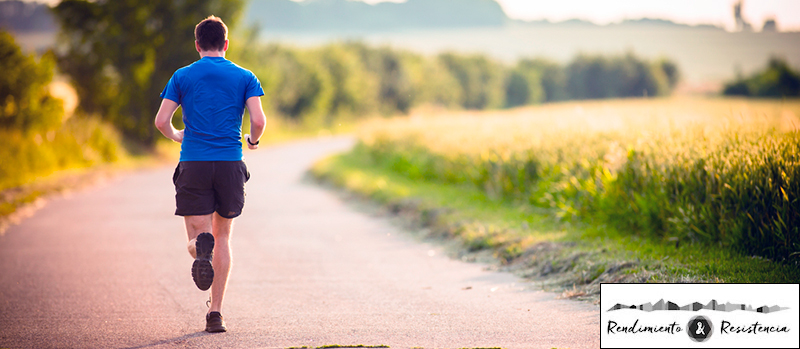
(333, 16)
(664, 23)
(625, 23)
(357, 16)
(21, 16)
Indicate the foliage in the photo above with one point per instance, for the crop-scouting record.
(671, 72)
(34, 141)
(295, 86)
(79, 142)
(355, 90)
(716, 172)
(26, 103)
(120, 54)
(552, 77)
(314, 86)
(592, 77)
(777, 80)
(394, 90)
(527, 237)
(524, 86)
(479, 78)
(317, 85)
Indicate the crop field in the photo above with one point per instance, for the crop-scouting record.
(717, 172)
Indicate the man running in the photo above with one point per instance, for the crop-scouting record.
(210, 177)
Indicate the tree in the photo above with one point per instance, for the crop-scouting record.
(26, 103)
(295, 84)
(552, 75)
(671, 71)
(355, 91)
(395, 92)
(776, 81)
(120, 54)
(591, 77)
(482, 80)
(523, 86)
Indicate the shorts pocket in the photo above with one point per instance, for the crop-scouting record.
(245, 172)
(176, 174)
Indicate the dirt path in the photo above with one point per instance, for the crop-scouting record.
(107, 268)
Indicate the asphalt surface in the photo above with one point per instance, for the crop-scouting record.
(107, 268)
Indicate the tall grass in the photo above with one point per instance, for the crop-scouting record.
(721, 172)
(79, 142)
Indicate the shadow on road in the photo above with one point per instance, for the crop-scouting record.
(175, 340)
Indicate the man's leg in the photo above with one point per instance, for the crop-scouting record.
(222, 259)
(194, 226)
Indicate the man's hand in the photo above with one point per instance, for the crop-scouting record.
(178, 136)
(249, 145)
(257, 121)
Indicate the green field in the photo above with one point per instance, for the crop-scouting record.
(710, 183)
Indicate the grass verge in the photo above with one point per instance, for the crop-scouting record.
(570, 258)
(21, 200)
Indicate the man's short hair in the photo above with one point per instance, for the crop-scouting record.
(211, 34)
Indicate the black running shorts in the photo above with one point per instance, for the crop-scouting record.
(204, 187)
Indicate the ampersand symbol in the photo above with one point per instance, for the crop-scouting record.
(700, 329)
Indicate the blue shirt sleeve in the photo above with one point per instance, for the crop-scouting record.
(253, 87)
(171, 91)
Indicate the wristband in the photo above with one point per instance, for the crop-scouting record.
(256, 143)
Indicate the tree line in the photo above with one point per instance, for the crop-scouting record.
(777, 80)
(356, 79)
(120, 54)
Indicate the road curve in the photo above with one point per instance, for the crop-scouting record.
(107, 268)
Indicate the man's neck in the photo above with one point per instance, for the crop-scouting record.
(204, 54)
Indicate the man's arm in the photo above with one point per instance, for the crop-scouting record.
(164, 120)
(257, 121)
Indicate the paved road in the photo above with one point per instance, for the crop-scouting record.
(107, 268)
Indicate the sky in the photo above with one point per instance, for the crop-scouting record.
(717, 12)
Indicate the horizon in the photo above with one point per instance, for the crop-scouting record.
(692, 12)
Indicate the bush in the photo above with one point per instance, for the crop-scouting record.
(355, 90)
(34, 142)
(79, 142)
(552, 76)
(26, 103)
(524, 86)
(396, 88)
(480, 79)
(296, 86)
(593, 77)
(776, 81)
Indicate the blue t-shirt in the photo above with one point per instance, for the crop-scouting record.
(212, 93)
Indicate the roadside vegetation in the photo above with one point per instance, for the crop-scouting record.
(601, 191)
(705, 181)
(120, 60)
(777, 80)
(36, 139)
(42, 147)
(118, 56)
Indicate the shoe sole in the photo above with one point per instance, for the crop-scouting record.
(202, 271)
(216, 330)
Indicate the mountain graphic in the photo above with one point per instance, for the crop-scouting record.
(695, 306)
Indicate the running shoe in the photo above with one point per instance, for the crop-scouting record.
(202, 271)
